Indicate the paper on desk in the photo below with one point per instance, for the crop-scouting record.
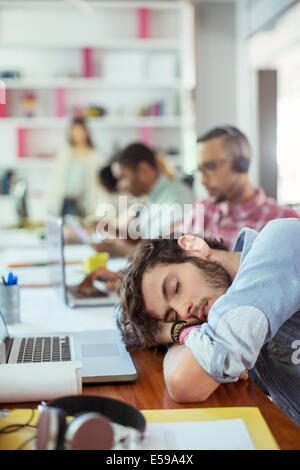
(229, 434)
(39, 381)
(40, 275)
(72, 253)
(32, 275)
(17, 238)
(25, 255)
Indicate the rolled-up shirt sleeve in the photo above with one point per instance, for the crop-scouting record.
(263, 296)
(233, 347)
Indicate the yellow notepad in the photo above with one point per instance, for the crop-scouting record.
(22, 437)
(256, 425)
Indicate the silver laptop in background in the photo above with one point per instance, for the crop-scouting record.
(57, 271)
(103, 355)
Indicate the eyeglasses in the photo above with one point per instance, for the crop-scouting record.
(212, 165)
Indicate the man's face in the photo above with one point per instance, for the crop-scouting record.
(220, 180)
(183, 291)
(130, 181)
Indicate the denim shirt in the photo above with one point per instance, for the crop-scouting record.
(263, 296)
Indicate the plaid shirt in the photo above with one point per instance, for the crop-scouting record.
(218, 221)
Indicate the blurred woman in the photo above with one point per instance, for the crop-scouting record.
(73, 186)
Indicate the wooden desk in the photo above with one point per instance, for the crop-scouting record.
(149, 392)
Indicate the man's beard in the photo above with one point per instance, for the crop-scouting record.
(213, 272)
(216, 276)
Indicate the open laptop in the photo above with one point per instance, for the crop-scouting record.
(103, 355)
(57, 270)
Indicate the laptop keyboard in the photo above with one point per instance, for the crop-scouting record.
(44, 349)
(93, 293)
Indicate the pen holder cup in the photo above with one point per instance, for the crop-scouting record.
(10, 303)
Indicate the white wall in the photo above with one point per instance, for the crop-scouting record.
(216, 62)
(255, 52)
(279, 48)
(226, 88)
(246, 87)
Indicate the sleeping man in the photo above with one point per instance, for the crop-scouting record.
(228, 313)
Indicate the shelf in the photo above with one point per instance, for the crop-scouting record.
(34, 163)
(84, 83)
(30, 163)
(102, 122)
(115, 44)
(44, 163)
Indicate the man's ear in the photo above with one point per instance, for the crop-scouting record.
(195, 245)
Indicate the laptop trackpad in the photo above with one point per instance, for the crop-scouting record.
(102, 350)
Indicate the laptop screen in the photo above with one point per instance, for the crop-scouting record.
(54, 232)
(3, 328)
(4, 341)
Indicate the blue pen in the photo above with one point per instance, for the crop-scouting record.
(11, 280)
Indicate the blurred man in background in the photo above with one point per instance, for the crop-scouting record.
(233, 202)
(160, 199)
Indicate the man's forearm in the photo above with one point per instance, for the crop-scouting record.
(185, 379)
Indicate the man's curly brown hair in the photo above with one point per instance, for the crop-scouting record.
(136, 325)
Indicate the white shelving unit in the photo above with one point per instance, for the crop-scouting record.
(132, 59)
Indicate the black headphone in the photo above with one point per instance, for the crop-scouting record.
(239, 164)
(96, 423)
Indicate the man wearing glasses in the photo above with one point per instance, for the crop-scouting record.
(233, 202)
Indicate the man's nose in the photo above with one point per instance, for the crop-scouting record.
(204, 178)
(184, 310)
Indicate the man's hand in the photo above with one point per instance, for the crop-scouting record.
(163, 333)
(244, 375)
(101, 274)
